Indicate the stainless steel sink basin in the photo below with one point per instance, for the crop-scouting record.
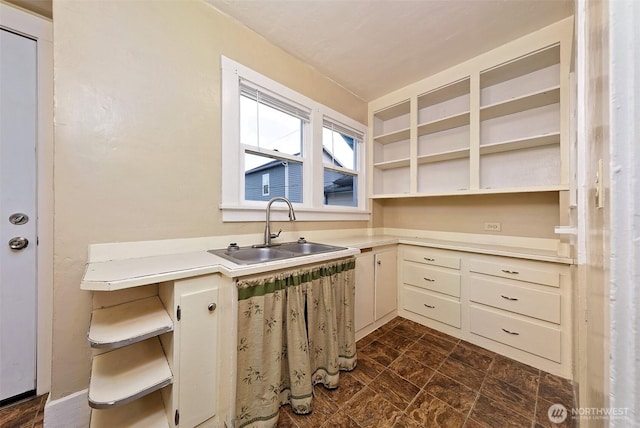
(307, 247)
(252, 255)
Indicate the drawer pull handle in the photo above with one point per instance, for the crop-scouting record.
(429, 259)
(513, 299)
(511, 332)
(429, 306)
(430, 280)
(512, 272)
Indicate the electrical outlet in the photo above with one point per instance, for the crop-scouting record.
(493, 226)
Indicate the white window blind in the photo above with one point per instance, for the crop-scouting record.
(260, 95)
(341, 129)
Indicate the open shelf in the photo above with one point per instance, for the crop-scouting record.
(488, 191)
(392, 164)
(517, 67)
(147, 412)
(128, 323)
(444, 93)
(393, 111)
(521, 143)
(123, 375)
(526, 102)
(393, 137)
(453, 121)
(443, 156)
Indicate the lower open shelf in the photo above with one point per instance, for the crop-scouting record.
(147, 412)
(121, 376)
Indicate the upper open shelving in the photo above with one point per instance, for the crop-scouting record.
(497, 123)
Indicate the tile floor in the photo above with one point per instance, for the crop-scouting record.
(412, 376)
(24, 414)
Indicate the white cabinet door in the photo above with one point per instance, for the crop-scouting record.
(198, 327)
(364, 290)
(385, 283)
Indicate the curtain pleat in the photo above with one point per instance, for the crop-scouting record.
(295, 330)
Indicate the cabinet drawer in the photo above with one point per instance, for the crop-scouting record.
(527, 336)
(431, 258)
(431, 279)
(431, 306)
(525, 301)
(516, 270)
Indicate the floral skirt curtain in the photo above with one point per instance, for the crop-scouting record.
(295, 330)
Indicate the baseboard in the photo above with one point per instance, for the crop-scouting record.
(70, 411)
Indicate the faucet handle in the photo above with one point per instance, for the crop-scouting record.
(275, 235)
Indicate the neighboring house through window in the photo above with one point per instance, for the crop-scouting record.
(277, 142)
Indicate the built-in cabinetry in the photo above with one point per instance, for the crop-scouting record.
(516, 307)
(155, 362)
(431, 284)
(376, 288)
(495, 123)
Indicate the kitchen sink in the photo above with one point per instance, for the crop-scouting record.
(308, 247)
(262, 254)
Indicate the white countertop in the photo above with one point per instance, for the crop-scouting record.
(113, 275)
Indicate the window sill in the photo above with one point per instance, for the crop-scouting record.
(248, 214)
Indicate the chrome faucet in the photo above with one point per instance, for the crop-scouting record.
(268, 236)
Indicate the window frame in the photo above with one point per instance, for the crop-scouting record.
(233, 205)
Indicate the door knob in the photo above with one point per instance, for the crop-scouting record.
(18, 243)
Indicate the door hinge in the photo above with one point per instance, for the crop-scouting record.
(176, 418)
(179, 313)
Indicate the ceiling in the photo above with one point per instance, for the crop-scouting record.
(372, 47)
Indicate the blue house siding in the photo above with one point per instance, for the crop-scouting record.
(277, 172)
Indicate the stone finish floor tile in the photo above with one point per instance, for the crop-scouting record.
(542, 415)
(429, 411)
(472, 355)
(455, 394)
(411, 376)
(380, 353)
(412, 370)
(515, 373)
(396, 390)
(462, 373)
(492, 414)
(509, 396)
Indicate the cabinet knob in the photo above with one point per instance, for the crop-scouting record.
(379, 262)
(511, 332)
(211, 307)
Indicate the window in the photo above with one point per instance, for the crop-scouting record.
(339, 146)
(277, 142)
(265, 184)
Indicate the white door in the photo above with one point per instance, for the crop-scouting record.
(18, 239)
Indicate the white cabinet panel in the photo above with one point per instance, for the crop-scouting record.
(522, 300)
(198, 327)
(518, 333)
(432, 306)
(432, 279)
(386, 284)
(365, 290)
